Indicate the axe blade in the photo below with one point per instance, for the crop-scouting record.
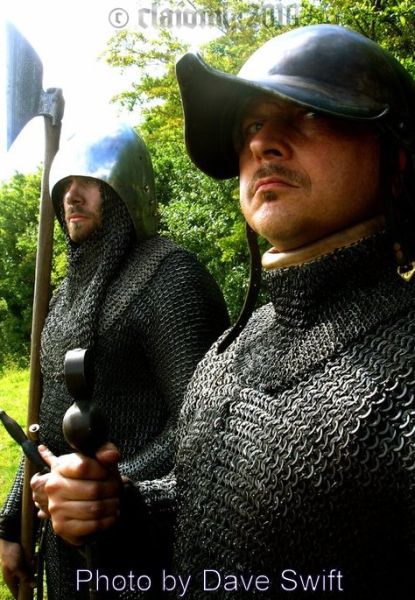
(24, 74)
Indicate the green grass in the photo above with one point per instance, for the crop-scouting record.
(14, 386)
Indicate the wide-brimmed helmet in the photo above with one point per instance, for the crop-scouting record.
(326, 68)
(117, 157)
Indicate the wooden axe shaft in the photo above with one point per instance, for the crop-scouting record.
(40, 309)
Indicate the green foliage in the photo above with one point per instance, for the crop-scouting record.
(19, 200)
(19, 208)
(389, 23)
(14, 386)
(59, 259)
(203, 216)
(5, 594)
(155, 91)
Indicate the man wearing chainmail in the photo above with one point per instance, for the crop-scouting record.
(295, 470)
(147, 310)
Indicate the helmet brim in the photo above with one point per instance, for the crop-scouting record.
(211, 101)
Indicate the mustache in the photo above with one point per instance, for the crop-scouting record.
(77, 210)
(290, 176)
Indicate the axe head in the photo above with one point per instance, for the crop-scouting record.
(24, 73)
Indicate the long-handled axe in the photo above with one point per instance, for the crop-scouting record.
(25, 100)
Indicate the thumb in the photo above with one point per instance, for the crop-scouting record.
(108, 455)
(47, 455)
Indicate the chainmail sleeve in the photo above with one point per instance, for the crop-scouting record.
(185, 314)
(178, 316)
(174, 320)
(10, 513)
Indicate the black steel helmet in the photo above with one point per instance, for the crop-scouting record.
(324, 67)
(118, 157)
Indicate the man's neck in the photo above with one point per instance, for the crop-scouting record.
(272, 259)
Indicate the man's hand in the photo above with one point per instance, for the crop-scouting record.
(13, 566)
(37, 483)
(83, 493)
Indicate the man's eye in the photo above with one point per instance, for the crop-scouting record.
(66, 184)
(252, 128)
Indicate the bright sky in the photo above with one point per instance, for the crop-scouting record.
(69, 36)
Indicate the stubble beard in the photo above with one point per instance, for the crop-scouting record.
(269, 196)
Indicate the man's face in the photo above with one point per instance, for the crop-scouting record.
(82, 203)
(304, 175)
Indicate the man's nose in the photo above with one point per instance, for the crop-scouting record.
(271, 141)
(72, 193)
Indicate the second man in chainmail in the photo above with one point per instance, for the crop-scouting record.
(145, 309)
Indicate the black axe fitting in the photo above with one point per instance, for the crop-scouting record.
(28, 446)
(84, 426)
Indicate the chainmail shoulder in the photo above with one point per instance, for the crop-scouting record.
(11, 510)
(297, 446)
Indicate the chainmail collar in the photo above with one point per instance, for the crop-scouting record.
(361, 275)
(92, 265)
(320, 307)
